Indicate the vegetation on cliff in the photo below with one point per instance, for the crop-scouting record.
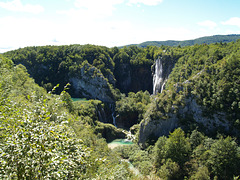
(66, 137)
(41, 139)
(209, 74)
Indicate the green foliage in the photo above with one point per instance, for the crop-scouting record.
(38, 144)
(201, 174)
(174, 159)
(109, 131)
(51, 65)
(132, 108)
(202, 40)
(140, 159)
(196, 138)
(169, 170)
(210, 73)
(87, 110)
(43, 135)
(224, 158)
(38, 149)
(40, 139)
(159, 151)
(176, 148)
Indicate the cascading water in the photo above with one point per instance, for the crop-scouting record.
(112, 107)
(114, 119)
(163, 85)
(158, 77)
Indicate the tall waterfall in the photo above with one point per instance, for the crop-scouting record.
(158, 82)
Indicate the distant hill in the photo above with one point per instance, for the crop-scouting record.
(201, 40)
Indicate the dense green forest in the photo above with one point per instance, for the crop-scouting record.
(188, 131)
(202, 40)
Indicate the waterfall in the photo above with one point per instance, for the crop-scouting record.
(112, 107)
(163, 85)
(114, 119)
(158, 77)
(130, 136)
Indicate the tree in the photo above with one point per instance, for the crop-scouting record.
(169, 170)
(196, 138)
(178, 147)
(171, 153)
(201, 174)
(224, 158)
(41, 149)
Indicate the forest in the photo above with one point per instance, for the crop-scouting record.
(201, 40)
(180, 106)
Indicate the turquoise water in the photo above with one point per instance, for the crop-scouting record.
(119, 142)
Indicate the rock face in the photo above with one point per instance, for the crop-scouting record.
(126, 121)
(156, 128)
(123, 77)
(90, 83)
(159, 127)
(133, 78)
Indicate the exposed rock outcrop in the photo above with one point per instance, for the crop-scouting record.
(90, 83)
(133, 78)
(125, 121)
(159, 127)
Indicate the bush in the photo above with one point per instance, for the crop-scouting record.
(169, 170)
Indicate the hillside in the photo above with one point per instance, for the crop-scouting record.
(201, 40)
(180, 103)
(47, 136)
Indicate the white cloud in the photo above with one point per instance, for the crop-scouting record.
(234, 21)
(92, 8)
(106, 33)
(21, 32)
(208, 24)
(145, 2)
(17, 6)
(95, 9)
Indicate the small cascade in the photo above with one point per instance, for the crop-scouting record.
(158, 83)
(130, 136)
(114, 120)
(163, 85)
(112, 107)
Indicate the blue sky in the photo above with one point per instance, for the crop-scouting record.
(113, 22)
